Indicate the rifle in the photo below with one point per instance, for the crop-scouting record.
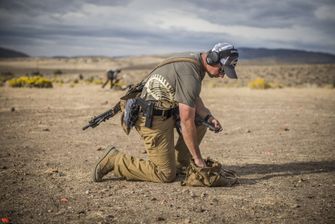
(96, 120)
(148, 109)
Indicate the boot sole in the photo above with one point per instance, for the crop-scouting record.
(94, 176)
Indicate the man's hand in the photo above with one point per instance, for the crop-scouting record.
(200, 163)
(212, 120)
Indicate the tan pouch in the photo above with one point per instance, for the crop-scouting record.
(211, 176)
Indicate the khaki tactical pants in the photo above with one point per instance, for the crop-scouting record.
(162, 159)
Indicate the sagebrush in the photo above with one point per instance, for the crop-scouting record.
(30, 81)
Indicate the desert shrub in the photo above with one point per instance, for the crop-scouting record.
(58, 72)
(259, 83)
(75, 81)
(32, 81)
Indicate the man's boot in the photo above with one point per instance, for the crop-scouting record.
(105, 164)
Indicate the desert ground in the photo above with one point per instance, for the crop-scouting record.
(280, 142)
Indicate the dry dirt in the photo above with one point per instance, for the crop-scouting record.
(281, 143)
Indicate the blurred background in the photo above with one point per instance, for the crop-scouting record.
(293, 38)
(120, 28)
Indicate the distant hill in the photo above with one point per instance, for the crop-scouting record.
(7, 53)
(285, 56)
(252, 55)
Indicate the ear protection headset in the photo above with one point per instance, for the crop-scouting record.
(214, 57)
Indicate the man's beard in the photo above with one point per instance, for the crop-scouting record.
(211, 75)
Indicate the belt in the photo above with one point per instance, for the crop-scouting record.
(163, 113)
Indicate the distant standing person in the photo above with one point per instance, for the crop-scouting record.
(112, 76)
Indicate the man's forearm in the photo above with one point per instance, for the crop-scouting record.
(189, 133)
(201, 110)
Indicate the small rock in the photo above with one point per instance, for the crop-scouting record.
(51, 171)
(153, 199)
(61, 212)
(192, 194)
(185, 191)
(12, 109)
(65, 200)
(296, 206)
(248, 131)
(45, 129)
(100, 149)
(144, 152)
(160, 219)
(61, 174)
(204, 194)
(87, 192)
(286, 129)
(49, 210)
(82, 212)
(104, 190)
(4, 167)
(188, 220)
(110, 217)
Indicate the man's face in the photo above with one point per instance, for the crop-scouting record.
(216, 71)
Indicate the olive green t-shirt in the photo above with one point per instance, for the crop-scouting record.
(177, 82)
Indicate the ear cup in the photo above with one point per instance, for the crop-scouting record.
(212, 58)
